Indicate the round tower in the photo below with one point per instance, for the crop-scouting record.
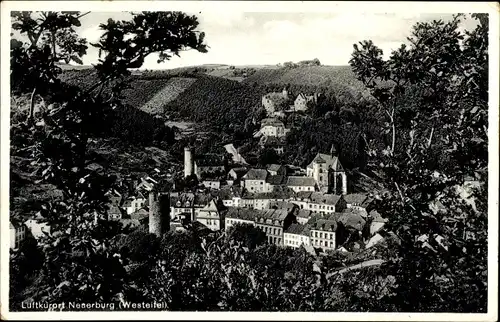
(188, 162)
(285, 93)
(155, 220)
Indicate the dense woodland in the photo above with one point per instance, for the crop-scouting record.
(422, 130)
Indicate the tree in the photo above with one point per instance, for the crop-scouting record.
(247, 235)
(79, 264)
(442, 258)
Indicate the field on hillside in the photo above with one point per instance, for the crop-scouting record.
(158, 98)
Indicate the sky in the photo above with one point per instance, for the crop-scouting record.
(268, 38)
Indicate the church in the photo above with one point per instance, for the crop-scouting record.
(328, 173)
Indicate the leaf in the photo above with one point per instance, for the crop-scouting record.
(76, 59)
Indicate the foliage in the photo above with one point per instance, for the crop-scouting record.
(248, 235)
(445, 71)
(79, 264)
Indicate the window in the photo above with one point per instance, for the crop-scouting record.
(316, 234)
(320, 235)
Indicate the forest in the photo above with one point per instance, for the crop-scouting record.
(422, 132)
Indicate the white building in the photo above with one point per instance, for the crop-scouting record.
(323, 234)
(298, 184)
(210, 216)
(297, 235)
(17, 234)
(328, 173)
(255, 181)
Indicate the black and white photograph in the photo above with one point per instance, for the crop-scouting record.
(302, 157)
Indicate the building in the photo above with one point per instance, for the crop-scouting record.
(319, 203)
(255, 180)
(213, 183)
(272, 142)
(376, 222)
(298, 184)
(186, 204)
(133, 204)
(37, 226)
(273, 102)
(234, 175)
(297, 235)
(274, 181)
(18, 233)
(211, 215)
(328, 173)
(236, 156)
(303, 216)
(302, 101)
(274, 222)
(114, 213)
(323, 234)
(235, 216)
(272, 127)
(276, 169)
(357, 201)
(230, 196)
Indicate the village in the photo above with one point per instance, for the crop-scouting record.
(294, 207)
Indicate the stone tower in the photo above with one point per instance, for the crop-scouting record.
(285, 93)
(159, 213)
(188, 162)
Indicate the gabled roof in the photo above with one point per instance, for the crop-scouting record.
(324, 225)
(282, 205)
(294, 181)
(273, 214)
(239, 172)
(242, 213)
(256, 174)
(304, 213)
(229, 192)
(355, 198)
(332, 162)
(324, 198)
(274, 167)
(276, 179)
(350, 220)
(296, 229)
(212, 206)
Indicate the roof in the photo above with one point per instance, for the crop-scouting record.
(274, 167)
(242, 213)
(271, 122)
(303, 195)
(355, 198)
(212, 206)
(324, 225)
(300, 181)
(273, 214)
(272, 141)
(282, 205)
(279, 192)
(350, 220)
(239, 172)
(229, 192)
(256, 174)
(303, 213)
(188, 197)
(276, 179)
(296, 229)
(330, 161)
(377, 217)
(130, 222)
(328, 199)
(139, 214)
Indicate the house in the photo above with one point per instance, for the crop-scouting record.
(235, 216)
(18, 233)
(273, 181)
(272, 127)
(297, 183)
(255, 180)
(323, 233)
(302, 101)
(320, 203)
(114, 213)
(211, 215)
(133, 204)
(212, 183)
(272, 142)
(376, 222)
(234, 175)
(37, 226)
(279, 204)
(186, 205)
(274, 222)
(358, 201)
(236, 156)
(297, 235)
(328, 173)
(274, 101)
(303, 216)
(276, 169)
(230, 196)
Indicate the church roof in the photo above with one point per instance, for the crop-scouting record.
(330, 161)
